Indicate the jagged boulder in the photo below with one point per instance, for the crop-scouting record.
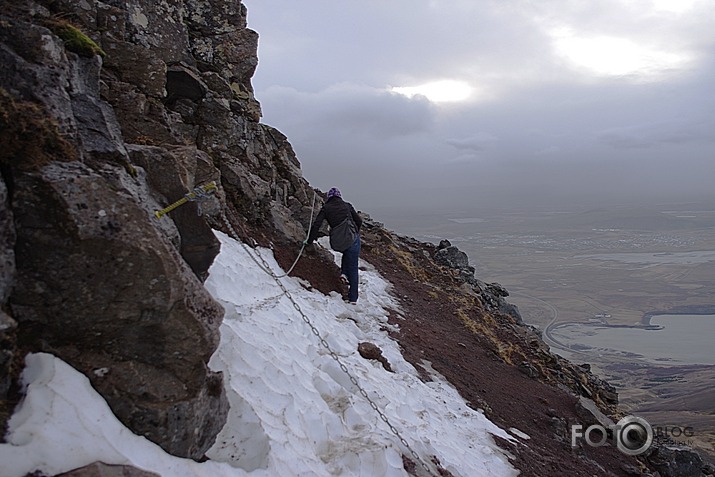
(675, 461)
(98, 286)
(492, 294)
(452, 257)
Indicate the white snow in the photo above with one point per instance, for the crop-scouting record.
(294, 411)
(519, 434)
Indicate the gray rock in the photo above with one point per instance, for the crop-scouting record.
(283, 221)
(98, 286)
(160, 27)
(632, 470)
(511, 310)
(98, 132)
(493, 296)
(218, 86)
(452, 257)
(100, 469)
(136, 65)
(8, 347)
(589, 413)
(173, 172)
(183, 82)
(66, 84)
(36, 68)
(497, 290)
(372, 351)
(233, 54)
(466, 274)
(675, 461)
(143, 118)
(212, 17)
(528, 369)
(444, 243)
(7, 244)
(560, 428)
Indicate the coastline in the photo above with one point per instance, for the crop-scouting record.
(680, 310)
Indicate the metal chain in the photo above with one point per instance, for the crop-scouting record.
(266, 268)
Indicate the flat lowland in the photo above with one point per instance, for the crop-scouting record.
(609, 266)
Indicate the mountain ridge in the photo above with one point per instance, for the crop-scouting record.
(94, 146)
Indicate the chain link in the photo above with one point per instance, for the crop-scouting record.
(266, 268)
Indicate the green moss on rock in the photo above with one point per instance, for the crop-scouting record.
(76, 41)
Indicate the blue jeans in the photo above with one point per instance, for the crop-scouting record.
(349, 268)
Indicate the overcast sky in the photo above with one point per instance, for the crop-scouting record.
(492, 101)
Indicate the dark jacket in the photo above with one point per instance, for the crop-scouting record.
(334, 211)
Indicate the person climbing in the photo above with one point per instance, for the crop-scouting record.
(345, 226)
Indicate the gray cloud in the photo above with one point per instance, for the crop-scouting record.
(650, 135)
(541, 125)
(476, 142)
(347, 108)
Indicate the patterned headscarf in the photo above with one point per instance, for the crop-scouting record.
(334, 192)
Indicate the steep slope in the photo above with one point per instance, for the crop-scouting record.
(110, 111)
(295, 410)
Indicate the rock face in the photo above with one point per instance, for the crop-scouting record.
(94, 141)
(492, 294)
(7, 271)
(99, 286)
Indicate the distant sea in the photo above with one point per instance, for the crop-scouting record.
(683, 339)
(509, 246)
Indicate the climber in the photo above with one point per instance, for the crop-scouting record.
(345, 226)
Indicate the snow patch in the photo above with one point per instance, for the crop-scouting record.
(294, 410)
(519, 434)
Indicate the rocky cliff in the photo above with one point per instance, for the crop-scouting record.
(112, 110)
(108, 112)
